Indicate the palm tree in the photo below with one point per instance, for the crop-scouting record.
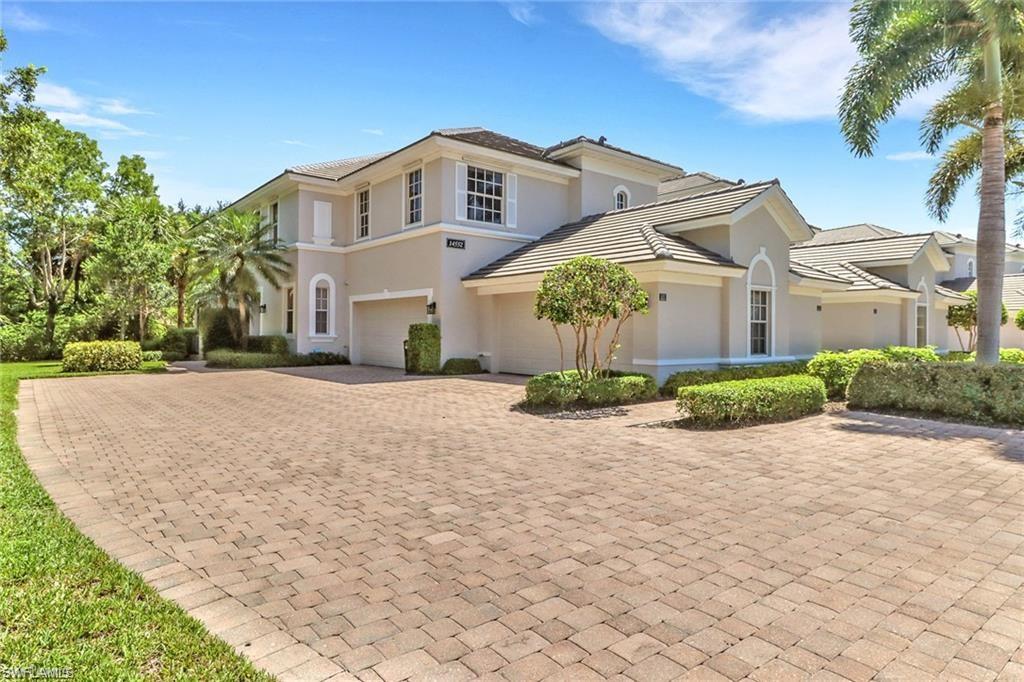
(243, 251)
(187, 228)
(907, 45)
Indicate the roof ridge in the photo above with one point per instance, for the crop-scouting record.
(655, 241)
(805, 245)
(349, 159)
(676, 200)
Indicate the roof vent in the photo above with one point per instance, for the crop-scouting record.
(959, 236)
(602, 139)
(741, 181)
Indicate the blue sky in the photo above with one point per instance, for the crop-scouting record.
(220, 97)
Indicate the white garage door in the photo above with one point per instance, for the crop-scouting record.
(380, 328)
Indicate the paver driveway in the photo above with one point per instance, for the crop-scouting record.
(339, 521)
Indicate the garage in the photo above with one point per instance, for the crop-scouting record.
(529, 345)
(381, 327)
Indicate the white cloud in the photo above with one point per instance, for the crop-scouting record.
(372, 131)
(909, 156)
(59, 97)
(783, 68)
(108, 126)
(296, 143)
(118, 107)
(523, 12)
(18, 19)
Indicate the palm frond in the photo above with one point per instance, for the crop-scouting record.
(958, 164)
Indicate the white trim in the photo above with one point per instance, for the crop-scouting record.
(615, 197)
(413, 234)
(754, 360)
(971, 271)
(762, 257)
(284, 319)
(331, 289)
(922, 287)
(380, 296)
(323, 210)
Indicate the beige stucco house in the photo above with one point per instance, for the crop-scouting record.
(459, 227)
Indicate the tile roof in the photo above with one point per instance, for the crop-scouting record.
(840, 258)
(1013, 288)
(803, 270)
(491, 140)
(628, 235)
(333, 170)
(690, 181)
(851, 233)
(602, 143)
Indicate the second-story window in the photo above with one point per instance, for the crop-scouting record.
(414, 197)
(363, 213)
(273, 221)
(621, 200)
(484, 193)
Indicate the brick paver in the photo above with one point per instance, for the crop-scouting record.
(340, 522)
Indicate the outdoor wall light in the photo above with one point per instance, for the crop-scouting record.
(432, 308)
(263, 307)
(662, 297)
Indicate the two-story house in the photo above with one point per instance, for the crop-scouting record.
(459, 227)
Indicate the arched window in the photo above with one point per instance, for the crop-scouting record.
(321, 305)
(921, 319)
(622, 197)
(970, 267)
(761, 305)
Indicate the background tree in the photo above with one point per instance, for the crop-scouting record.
(906, 46)
(243, 252)
(186, 229)
(589, 295)
(131, 179)
(965, 317)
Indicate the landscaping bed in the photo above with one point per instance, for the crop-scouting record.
(751, 401)
(64, 604)
(229, 359)
(566, 390)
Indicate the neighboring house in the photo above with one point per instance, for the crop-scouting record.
(459, 227)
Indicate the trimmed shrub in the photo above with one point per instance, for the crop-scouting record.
(424, 354)
(911, 354)
(561, 389)
(554, 389)
(695, 377)
(170, 356)
(1013, 356)
(228, 359)
(219, 328)
(101, 356)
(961, 390)
(619, 390)
(752, 401)
(462, 366)
(267, 344)
(152, 356)
(958, 356)
(183, 342)
(836, 368)
(19, 342)
(150, 344)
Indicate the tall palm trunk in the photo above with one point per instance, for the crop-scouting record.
(992, 214)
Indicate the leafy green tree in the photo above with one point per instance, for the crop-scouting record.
(965, 317)
(588, 294)
(243, 252)
(131, 178)
(130, 258)
(187, 228)
(1019, 319)
(907, 45)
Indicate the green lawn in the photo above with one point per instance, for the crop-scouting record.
(65, 604)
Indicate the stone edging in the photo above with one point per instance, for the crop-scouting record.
(246, 630)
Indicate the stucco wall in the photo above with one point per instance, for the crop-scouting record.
(597, 192)
(857, 325)
(311, 264)
(341, 220)
(805, 325)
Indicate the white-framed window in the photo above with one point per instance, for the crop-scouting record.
(622, 197)
(363, 213)
(321, 306)
(414, 197)
(273, 222)
(289, 310)
(760, 321)
(922, 325)
(321, 309)
(970, 267)
(485, 192)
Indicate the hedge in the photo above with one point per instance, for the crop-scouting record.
(219, 327)
(267, 344)
(961, 390)
(152, 355)
(1013, 356)
(752, 401)
(184, 341)
(696, 377)
(462, 366)
(562, 389)
(101, 356)
(911, 353)
(228, 359)
(836, 368)
(424, 353)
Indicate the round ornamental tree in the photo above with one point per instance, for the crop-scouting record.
(593, 297)
(1019, 319)
(965, 317)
